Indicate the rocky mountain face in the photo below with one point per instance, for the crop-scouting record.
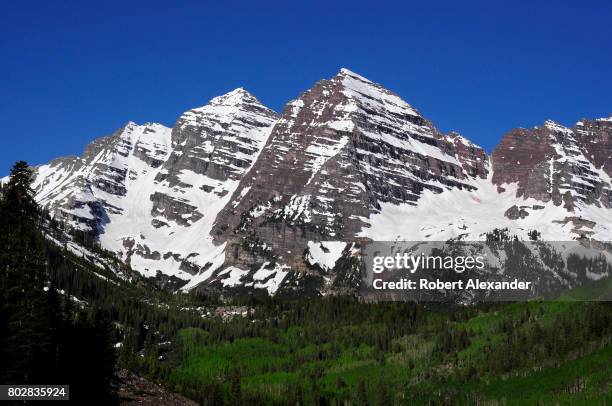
(235, 196)
(556, 163)
(82, 190)
(569, 167)
(151, 193)
(339, 151)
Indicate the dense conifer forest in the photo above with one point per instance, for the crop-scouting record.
(44, 337)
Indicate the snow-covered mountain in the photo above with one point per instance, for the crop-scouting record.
(552, 179)
(339, 152)
(151, 193)
(236, 196)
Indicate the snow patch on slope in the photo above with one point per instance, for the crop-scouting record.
(469, 215)
(265, 277)
(325, 254)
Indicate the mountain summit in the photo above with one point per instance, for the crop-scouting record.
(340, 151)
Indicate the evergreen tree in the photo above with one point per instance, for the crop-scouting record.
(382, 395)
(26, 339)
(42, 342)
(362, 394)
(235, 389)
(299, 401)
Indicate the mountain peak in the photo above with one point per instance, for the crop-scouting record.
(372, 94)
(455, 136)
(347, 72)
(224, 109)
(236, 96)
(149, 126)
(130, 124)
(556, 127)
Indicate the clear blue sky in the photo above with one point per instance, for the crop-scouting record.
(73, 71)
